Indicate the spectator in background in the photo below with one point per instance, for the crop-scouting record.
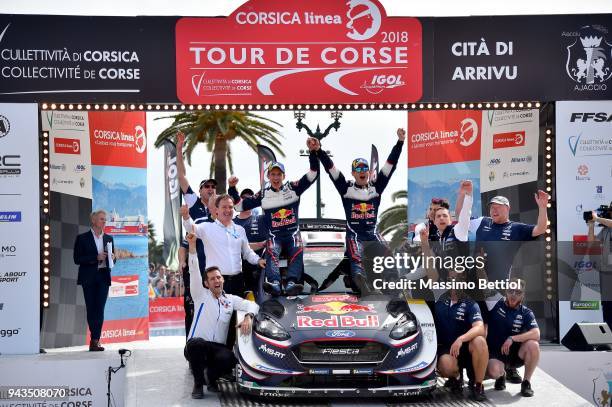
(159, 288)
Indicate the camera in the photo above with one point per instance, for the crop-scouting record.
(604, 211)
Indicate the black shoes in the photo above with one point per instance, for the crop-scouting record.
(513, 376)
(478, 393)
(197, 392)
(213, 388)
(500, 383)
(455, 385)
(526, 390)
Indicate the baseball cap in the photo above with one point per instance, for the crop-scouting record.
(208, 181)
(502, 200)
(247, 191)
(275, 164)
(360, 164)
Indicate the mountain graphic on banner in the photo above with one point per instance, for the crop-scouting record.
(420, 196)
(123, 198)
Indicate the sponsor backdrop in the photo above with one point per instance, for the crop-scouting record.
(119, 177)
(329, 51)
(112, 154)
(70, 170)
(493, 149)
(305, 52)
(19, 229)
(584, 182)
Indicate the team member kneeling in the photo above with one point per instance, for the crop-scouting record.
(205, 347)
(513, 337)
(461, 341)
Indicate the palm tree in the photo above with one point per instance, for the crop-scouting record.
(394, 220)
(217, 128)
(155, 249)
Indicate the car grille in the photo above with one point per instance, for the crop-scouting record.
(340, 352)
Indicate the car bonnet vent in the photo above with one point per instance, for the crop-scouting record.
(397, 306)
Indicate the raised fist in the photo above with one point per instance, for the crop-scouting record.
(401, 134)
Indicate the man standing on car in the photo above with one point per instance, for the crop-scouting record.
(361, 201)
(280, 202)
(205, 348)
(513, 338)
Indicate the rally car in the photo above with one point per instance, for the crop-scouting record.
(332, 342)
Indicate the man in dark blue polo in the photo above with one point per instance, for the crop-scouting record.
(512, 338)
(461, 339)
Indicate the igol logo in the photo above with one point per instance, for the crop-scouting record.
(7, 333)
(5, 126)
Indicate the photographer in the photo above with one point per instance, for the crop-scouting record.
(603, 217)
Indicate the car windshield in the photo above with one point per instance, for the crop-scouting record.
(320, 264)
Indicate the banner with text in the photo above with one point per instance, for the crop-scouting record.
(119, 177)
(509, 148)
(302, 51)
(70, 157)
(584, 182)
(19, 229)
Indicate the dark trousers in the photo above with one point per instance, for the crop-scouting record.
(216, 357)
(234, 284)
(188, 305)
(293, 247)
(95, 299)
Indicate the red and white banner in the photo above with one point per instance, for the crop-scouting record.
(118, 139)
(166, 313)
(123, 330)
(509, 148)
(443, 137)
(123, 286)
(301, 51)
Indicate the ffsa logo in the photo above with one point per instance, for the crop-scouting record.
(363, 19)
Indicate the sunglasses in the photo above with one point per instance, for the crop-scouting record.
(208, 186)
(438, 201)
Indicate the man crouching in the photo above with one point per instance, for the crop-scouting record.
(205, 348)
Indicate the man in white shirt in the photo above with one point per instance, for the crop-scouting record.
(205, 348)
(225, 243)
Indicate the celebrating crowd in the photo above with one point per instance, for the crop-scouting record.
(224, 254)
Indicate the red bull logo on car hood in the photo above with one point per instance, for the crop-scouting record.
(335, 308)
(338, 321)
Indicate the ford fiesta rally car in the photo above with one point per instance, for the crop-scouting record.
(331, 342)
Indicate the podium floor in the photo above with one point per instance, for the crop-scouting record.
(158, 375)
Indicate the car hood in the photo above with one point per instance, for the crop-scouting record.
(335, 312)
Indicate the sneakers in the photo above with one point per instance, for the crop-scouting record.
(513, 376)
(478, 393)
(272, 288)
(500, 383)
(293, 289)
(197, 392)
(526, 390)
(455, 385)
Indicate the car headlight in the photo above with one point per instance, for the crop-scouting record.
(269, 328)
(404, 327)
